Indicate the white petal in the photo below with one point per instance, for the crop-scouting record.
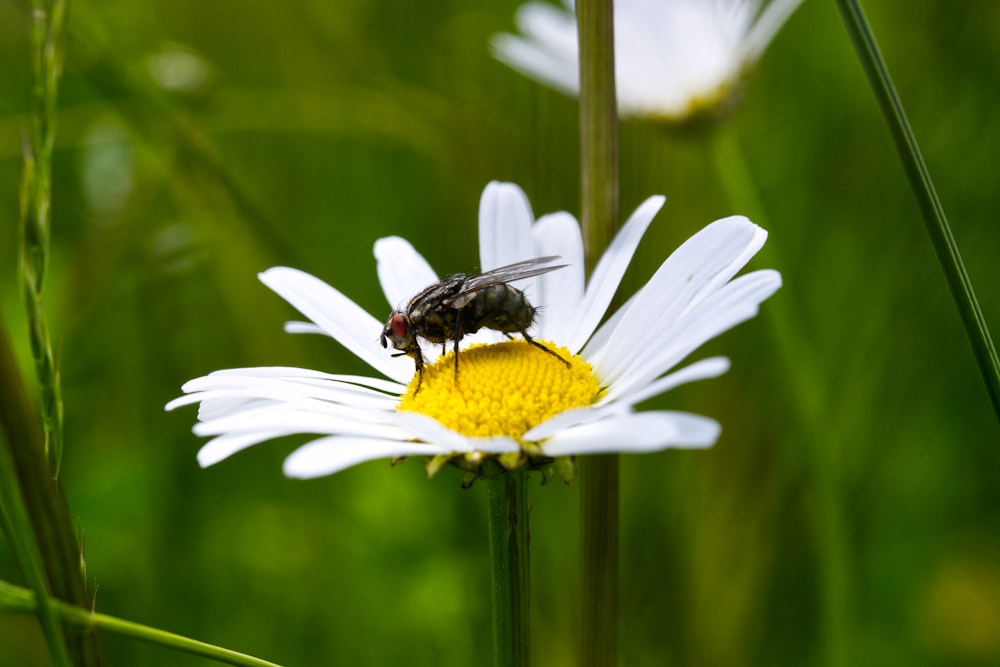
(720, 249)
(238, 389)
(636, 432)
(553, 26)
(343, 319)
(335, 453)
(574, 417)
(292, 419)
(560, 292)
(224, 446)
(700, 370)
(752, 247)
(767, 25)
(610, 269)
(291, 372)
(238, 376)
(733, 304)
(402, 271)
(504, 226)
(548, 52)
(538, 62)
(429, 429)
(295, 327)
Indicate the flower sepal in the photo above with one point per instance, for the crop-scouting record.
(475, 465)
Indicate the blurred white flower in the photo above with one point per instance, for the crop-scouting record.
(674, 59)
(510, 402)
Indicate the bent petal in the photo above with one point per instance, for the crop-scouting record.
(343, 319)
(637, 432)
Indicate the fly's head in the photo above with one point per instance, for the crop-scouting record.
(399, 332)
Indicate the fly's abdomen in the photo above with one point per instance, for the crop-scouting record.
(498, 307)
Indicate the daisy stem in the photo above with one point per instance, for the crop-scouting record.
(807, 396)
(507, 498)
(599, 213)
(926, 196)
(17, 599)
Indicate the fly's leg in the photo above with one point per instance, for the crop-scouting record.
(418, 361)
(458, 337)
(541, 347)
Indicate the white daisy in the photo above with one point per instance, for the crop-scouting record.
(510, 403)
(674, 59)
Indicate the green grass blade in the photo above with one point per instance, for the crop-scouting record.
(21, 600)
(927, 199)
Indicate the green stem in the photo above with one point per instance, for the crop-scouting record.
(927, 199)
(508, 519)
(17, 599)
(44, 531)
(599, 596)
(807, 397)
(599, 213)
(598, 127)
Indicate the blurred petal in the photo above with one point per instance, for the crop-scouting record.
(548, 52)
(768, 25)
(673, 58)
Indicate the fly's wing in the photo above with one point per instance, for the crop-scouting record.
(529, 268)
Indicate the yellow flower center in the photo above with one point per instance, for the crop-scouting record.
(502, 389)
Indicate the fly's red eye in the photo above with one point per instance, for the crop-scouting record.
(398, 325)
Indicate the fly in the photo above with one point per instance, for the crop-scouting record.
(463, 304)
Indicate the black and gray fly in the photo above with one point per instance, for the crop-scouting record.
(463, 304)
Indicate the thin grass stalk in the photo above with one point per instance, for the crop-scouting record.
(21, 600)
(507, 501)
(926, 196)
(599, 212)
(36, 213)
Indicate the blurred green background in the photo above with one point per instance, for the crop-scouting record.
(849, 513)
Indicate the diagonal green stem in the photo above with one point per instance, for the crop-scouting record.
(927, 199)
(599, 212)
(47, 528)
(507, 497)
(17, 599)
